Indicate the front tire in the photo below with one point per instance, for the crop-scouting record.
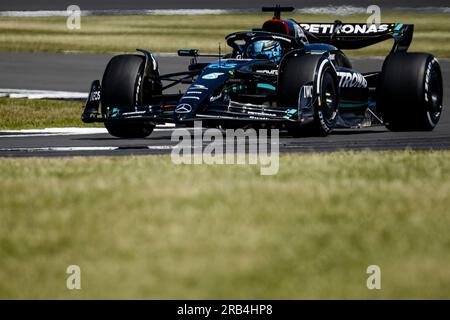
(122, 90)
(410, 92)
(298, 70)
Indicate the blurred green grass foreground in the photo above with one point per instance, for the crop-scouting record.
(142, 227)
(100, 34)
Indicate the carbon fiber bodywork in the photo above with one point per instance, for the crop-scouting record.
(244, 91)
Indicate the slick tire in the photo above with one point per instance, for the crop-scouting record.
(297, 70)
(409, 94)
(122, 89)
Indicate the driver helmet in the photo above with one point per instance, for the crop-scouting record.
(270, 49)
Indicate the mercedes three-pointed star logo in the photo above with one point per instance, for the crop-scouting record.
(183, 108)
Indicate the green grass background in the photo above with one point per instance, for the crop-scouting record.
(169, 33)
(141, 227)
(31, 114)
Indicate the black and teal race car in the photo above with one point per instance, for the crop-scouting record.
(286, 74)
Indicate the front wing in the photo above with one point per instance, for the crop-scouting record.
(164, 111)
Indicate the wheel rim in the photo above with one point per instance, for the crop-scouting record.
(329, 97)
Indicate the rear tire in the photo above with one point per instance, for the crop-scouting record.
(297, 70)
(122, 90)
(410, 92)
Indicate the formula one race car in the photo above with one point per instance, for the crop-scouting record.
(288, 75)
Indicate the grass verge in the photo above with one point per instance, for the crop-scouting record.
(32, 114)
(145, 228)
(168, 33)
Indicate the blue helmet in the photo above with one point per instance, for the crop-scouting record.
(271, 49)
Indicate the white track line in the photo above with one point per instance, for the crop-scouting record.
(78, 149)
(41, 94)
(69, 131)
(50, 132)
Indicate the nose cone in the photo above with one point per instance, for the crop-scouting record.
(183, 112)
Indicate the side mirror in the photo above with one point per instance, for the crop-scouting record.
(188, 52)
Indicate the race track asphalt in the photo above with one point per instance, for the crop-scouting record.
(73, 72)
(9, 5)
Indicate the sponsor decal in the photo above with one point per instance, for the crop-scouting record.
(95, 96)
(273, 72)
(138, 88)
(225, 65)
(307, 91)
(351, 29)
(194, 92)
(214, 98)
(427, 79)
(190, 97)
(212, 76)
(351, 80)
(305, 98)
(134, 113)
(263, 114)
(198, 87)
(431, 115)
(183, 108)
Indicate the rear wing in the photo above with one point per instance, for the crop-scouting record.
(360, 35)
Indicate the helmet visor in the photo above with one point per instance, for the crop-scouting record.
(261, 49)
